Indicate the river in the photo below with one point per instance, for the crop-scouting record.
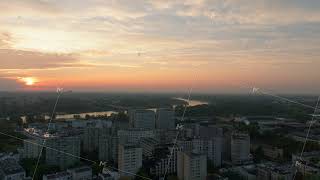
(192, 102)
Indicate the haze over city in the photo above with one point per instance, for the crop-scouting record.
(162, 45)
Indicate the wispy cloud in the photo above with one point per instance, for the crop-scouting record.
(99, 36)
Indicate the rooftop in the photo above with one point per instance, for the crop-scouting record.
(57, 175)
(81, 169)
(10, 166)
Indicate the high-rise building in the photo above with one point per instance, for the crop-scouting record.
(114, 148)
(91, 137)
(104, 148)
(129, 160)
(70, 145)
(162, 162)
(108, 148)
(165, 118)
(186, 144)
(148, 146)
(211, 147)
(31, 149)
(192, 166)
(209, 132)
(165, 136)
(144, 119)
(240, 148)
(134, 135)
(214, 151)
(226, 146)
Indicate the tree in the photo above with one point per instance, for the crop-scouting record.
(142, 173)
(258, 154)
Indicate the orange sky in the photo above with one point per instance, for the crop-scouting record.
(215, 46)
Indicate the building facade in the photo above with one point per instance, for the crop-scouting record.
(144, 119)
(191, 166)
(70, 145)
(240, 148)
(165, 118)
(129, 160)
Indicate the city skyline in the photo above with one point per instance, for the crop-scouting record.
(164, 46)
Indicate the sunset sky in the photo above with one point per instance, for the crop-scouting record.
(160, 45)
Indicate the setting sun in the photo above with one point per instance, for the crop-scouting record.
(29, 81)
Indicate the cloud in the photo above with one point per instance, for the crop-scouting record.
(19, 59)
(38, 36)
(245, 11)
(8, 84)
(5, 40)
(27, 7)
(70, 8)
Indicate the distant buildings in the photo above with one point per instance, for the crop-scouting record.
(192, 166)
(129, 160)
(144, 119)
(11, 170)
(165, 118)
(240, 148)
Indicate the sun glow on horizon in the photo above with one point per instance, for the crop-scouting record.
(28, 81)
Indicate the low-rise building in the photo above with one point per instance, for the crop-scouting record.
(81, 173)
(274, 171)
(308, 164)
(58, 176)
(11, 170)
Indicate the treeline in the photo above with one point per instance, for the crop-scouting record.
(249, 106)
(35, 104)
